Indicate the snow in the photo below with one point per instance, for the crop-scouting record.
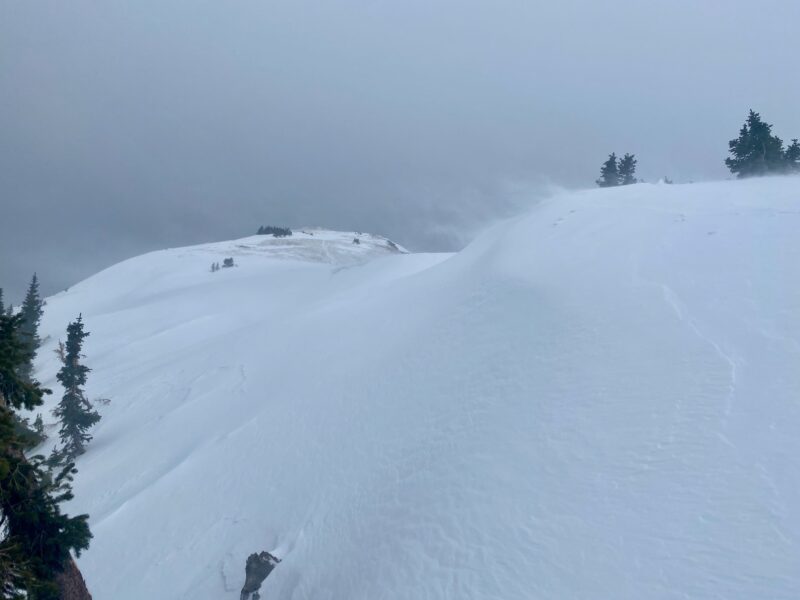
(597, 399)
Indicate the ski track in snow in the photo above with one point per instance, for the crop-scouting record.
(597, 399)
(683, 313)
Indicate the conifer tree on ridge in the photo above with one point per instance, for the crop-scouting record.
(756, 151)
(31, 312)
(74, 410)
(627, 169)
(609, 174)
(792, 157)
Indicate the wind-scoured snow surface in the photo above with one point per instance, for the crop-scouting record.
(597, 400)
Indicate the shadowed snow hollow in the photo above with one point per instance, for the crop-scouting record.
(599, 399)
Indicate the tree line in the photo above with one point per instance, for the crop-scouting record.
(758, 152)
(274, 231)
(755, 152)
(36, 536)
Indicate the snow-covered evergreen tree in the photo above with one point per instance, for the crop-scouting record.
(74, 410)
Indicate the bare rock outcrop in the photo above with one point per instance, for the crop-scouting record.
(256, 570)
(71, 585)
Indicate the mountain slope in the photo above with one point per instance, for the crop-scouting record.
(598, 399)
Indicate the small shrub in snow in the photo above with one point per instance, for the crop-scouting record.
(228, 262)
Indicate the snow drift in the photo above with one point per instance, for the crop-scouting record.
(599, 399)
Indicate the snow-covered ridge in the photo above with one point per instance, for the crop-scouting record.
(598, 399)
(308, 244)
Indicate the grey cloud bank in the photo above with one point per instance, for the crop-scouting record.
(128, 127)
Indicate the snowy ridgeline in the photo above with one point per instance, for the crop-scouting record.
(597, 400)
(315, 245)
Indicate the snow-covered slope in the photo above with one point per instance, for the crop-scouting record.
(597, 400)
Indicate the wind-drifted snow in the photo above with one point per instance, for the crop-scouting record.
(597, 400)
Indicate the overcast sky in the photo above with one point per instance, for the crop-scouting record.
(137, 125)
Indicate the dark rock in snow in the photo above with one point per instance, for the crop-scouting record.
(256, 570)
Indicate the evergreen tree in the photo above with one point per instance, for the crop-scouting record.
(627, 169)
(38, 426)
(756, 151)
(75, 412)
(31, 312)
(792, 157)
(36, 537)
(609, 173)
(2, 307)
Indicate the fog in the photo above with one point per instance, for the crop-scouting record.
(132, 126)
